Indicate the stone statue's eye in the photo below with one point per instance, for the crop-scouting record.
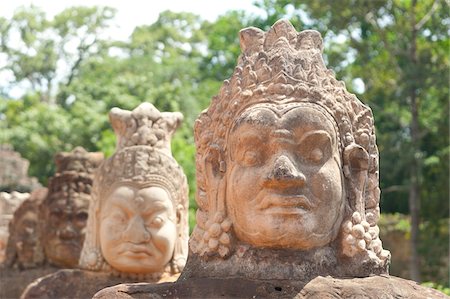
(316, 155)
(157, 222)
(250, 158)
(119, 217)
(315, 148)
(56, 215)
(81, 216)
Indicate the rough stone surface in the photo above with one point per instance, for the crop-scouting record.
(64, 212)
(9, 202)
(138, 223)
(14, 174)
(384, 286)
(71, 284)
(24, 249)
(13, 281)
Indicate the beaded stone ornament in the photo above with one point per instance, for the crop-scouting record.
(143, 158)
(286, 66)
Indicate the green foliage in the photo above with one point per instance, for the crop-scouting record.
(433, 249)
(436, 286)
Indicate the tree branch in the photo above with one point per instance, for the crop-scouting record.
(83, 50)
(427, 16)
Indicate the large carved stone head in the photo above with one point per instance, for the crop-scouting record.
(65, 210)
(138, 218)
(287, 161)
(24, 249)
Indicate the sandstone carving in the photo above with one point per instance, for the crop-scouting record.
(287, 160)
(9, 202)
(14, 174)
(138, 224)
(24, 249)
(287, 178)
(64, 212)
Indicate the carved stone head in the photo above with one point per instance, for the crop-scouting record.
(138, 218)
(9, 202)
(24, 249)
(65, 210)
(287, 161)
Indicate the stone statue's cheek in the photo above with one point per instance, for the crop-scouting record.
(326, 183)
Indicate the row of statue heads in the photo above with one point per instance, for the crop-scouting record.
(286, 160)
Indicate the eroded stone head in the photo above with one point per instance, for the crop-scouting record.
(65, 211)
(287, 160)
(24, 249)
(138, 219)
(9, 202)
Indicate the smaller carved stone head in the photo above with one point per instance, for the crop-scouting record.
(138, 218)
(24, 249)
(65, 210)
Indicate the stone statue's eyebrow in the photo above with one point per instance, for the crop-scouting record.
(158, 206)
(251, 120)
(314, 132)
(282, 133)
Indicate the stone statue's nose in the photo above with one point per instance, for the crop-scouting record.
(67, 232)
(137, 232)
(284, 174)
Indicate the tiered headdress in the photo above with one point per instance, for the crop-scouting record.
(74, 173)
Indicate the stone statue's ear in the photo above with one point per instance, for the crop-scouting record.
(356, 165)
(180, 213)
(215, 167)
(356, 159)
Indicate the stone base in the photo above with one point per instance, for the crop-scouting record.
(383, 286)
(71, 283)
(14, 281)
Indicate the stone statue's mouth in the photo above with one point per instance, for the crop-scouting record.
(136, 250)
(68, 243)
(285, 204)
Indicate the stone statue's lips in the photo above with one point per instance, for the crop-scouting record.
(67, 243)
(285, 204)
(133, 249)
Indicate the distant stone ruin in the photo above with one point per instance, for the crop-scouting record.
(14, 171)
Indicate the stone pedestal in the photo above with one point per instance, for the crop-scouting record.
(383, 286)
(72, 283)
(14, 281)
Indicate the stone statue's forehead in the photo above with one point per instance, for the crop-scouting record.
(141, 198)
(289, 116)
(78, 202)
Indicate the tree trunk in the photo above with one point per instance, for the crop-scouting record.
(414, 189)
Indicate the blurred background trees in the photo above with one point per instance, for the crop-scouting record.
(392, 54)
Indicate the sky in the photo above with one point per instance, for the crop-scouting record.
(131, 13)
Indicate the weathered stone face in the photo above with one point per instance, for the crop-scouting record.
(138, 229)
(24, 249)
(65, 210)
(284, 188)
(139, 225)
(66, 218)
(9, 202)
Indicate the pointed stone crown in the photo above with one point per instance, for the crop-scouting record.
(144, 126)
(78, 160)
(143, 152)
(74, 171)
